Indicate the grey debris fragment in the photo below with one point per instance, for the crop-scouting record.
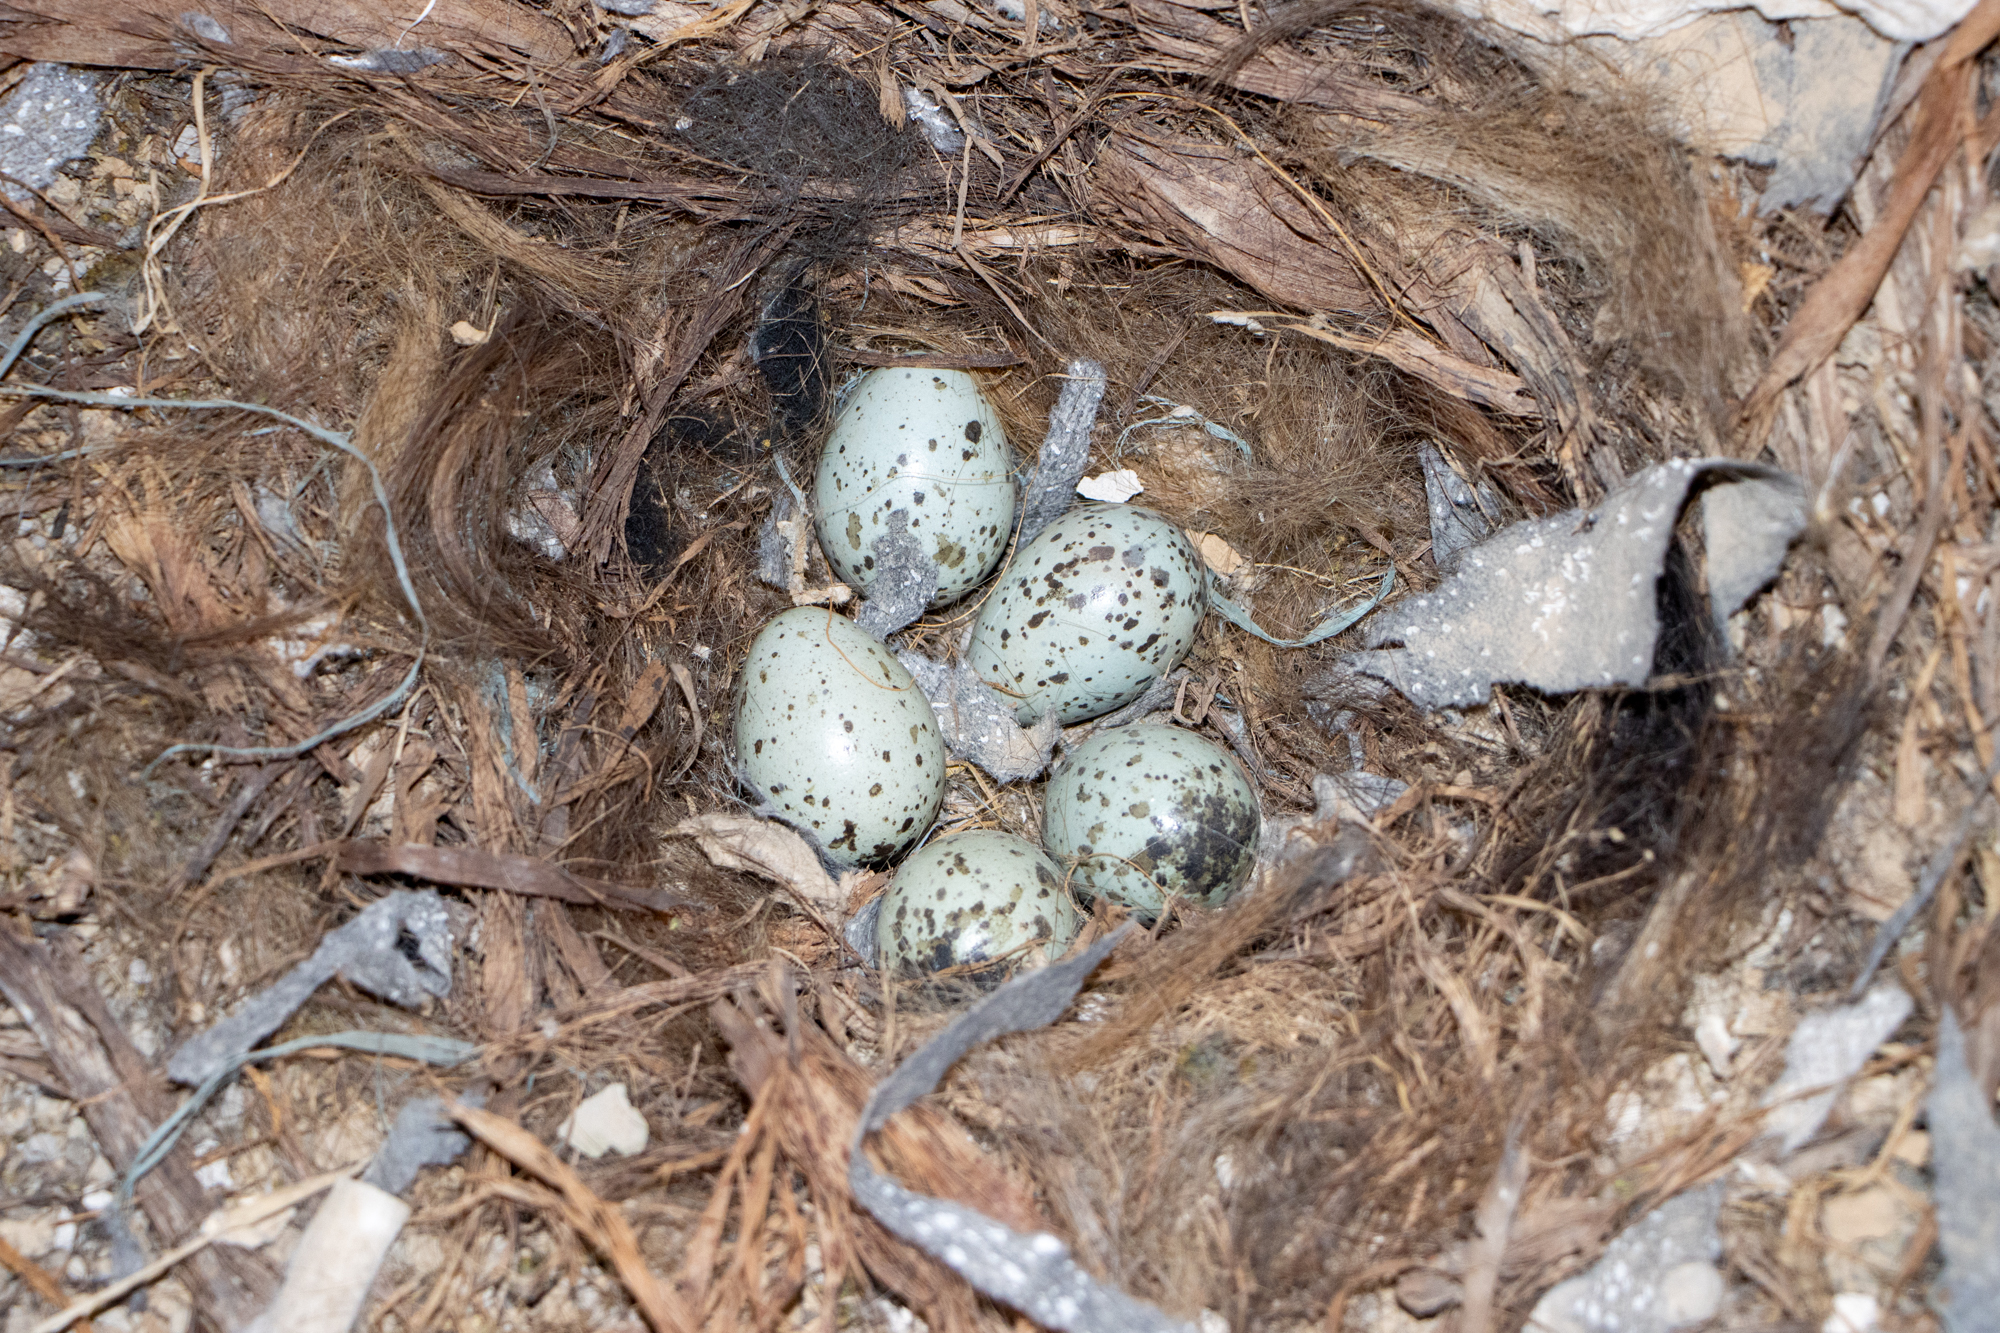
(1829, 1046)
(1051, 488)
(1425, 1293)
(1016, 11)
(50, 118)
(422, 1136)
(978, 724)
(1965, 1143)
(1355, 796)
(774, 543)
(206, 28)
(1033, 1274)
(631, 9)
(1458, 514)
(905, 580)
(1643, 1281)
(933, 120)
(1747, 528)
(1160, 694)
(1561, 603)
(366, 951)
(860, 932)
(390, 60)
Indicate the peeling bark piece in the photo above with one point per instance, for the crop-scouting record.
(1965, 1143)
(141, 34)
(1568, 602)
(1212, 202)
(1031, 1273)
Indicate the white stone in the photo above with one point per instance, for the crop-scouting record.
(1717, 1046)
(1690, 1293)
(1853, 1312)
(32, 1236)
(38, 1148)
(53, 1115)
(216, 1175)
(605, 1122)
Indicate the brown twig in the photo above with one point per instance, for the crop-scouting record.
(599, 1222)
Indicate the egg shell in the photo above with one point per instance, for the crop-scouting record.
(1148, 812)
(969, 897)
(927, 442)
(1104, 601)
(834, 735)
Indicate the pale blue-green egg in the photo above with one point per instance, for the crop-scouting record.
(971, 897)
(1091, 612)
(925, 442)
(834, 736)
(1148, 812)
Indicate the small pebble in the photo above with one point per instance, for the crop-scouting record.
(605, 1122)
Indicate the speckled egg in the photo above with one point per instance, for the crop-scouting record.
(1105, 600)
(1148, 812)
(926, 442)
(834, 735)
(970, 897)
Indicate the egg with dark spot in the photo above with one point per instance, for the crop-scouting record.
(973, 897)
(1150, 812)
(1092, 611)
(834, 736)
(926, 442)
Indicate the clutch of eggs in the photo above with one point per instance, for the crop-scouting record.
(1105, 600)
(1148, 812)
(834, 736)
(971, 897)
(926, 442)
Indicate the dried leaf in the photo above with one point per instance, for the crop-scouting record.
(765, 849)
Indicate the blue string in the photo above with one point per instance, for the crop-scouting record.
(1325, 629)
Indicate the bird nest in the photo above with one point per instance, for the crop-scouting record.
(452, 585)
